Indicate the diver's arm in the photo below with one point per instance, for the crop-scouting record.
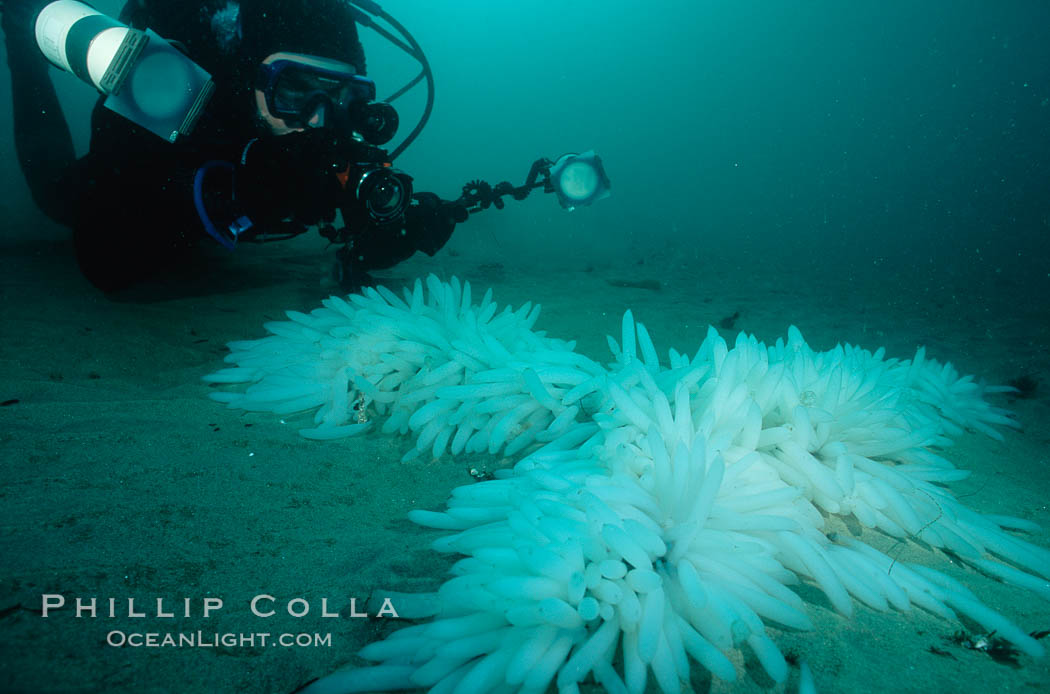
(43, 143)
(140, 200)
(131, 218)
(131, 200)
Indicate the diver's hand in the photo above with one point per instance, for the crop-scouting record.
(431, 221)
(293, 175)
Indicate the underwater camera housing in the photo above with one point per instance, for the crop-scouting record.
(145, 78)
(378, 194)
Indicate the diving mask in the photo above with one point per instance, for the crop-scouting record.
(298, 88)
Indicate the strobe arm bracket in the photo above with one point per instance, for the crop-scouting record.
(577, 179)
(479, 195)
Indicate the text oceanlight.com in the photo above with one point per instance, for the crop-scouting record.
(201, 639)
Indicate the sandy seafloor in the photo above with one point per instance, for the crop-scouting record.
(120, 479)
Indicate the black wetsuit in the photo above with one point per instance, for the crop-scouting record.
(130, 200)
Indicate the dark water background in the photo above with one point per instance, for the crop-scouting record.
(868, 134)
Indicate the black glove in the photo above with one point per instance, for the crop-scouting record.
(292, 175)
(430, 221)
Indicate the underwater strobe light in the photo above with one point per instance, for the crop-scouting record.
(579, 179)
(145, 78)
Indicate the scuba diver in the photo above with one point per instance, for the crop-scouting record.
(235, 120)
